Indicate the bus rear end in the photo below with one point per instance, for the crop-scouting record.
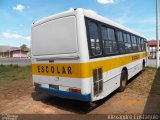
(56, 67)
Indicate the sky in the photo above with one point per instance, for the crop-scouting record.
(17, 16)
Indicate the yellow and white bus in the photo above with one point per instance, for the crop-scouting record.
(80, 55)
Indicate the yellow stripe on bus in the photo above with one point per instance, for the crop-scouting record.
(83, 70)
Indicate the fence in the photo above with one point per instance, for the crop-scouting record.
(15, 61)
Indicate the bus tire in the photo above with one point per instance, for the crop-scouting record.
(123, 81)
(143, 67)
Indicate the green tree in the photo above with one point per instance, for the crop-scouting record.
(24, 47)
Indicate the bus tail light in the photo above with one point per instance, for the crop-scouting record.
(74, 90)
(97, 81)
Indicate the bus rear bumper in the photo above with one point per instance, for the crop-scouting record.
(65, 94)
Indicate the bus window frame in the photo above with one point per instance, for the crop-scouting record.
(99, 24)
(91, 55)
(106, 26)
(119, 30)
(134, 42)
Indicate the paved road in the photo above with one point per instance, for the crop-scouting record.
(15, 61)
(26, 61)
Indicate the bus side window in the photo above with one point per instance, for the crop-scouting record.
(94, 39)
(139, 44)
(142, 44)
(109, 41)
(121, 42)
(134, 43)
(145, 45)
(127, 41)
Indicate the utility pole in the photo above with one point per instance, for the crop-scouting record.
(20, 49)
(20, 52)
(157, 32)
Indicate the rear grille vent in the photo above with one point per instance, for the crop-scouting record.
(98, 81)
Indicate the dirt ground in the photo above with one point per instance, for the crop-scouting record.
(142, 95)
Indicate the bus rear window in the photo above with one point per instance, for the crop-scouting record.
(55, 37)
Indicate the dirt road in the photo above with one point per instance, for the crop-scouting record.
(142, 95)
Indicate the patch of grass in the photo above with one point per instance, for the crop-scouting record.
(147, 82)
(143, 82)
(14, 72)
(152, 69)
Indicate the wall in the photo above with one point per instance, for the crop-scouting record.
(18, 54)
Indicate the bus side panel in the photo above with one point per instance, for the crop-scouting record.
(111, 78)
(134, 68)
(111, 82)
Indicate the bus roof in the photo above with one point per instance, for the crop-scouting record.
(89, 14)
(100, 18)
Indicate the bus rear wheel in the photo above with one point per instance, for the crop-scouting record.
(143, 67)
(123, 81)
